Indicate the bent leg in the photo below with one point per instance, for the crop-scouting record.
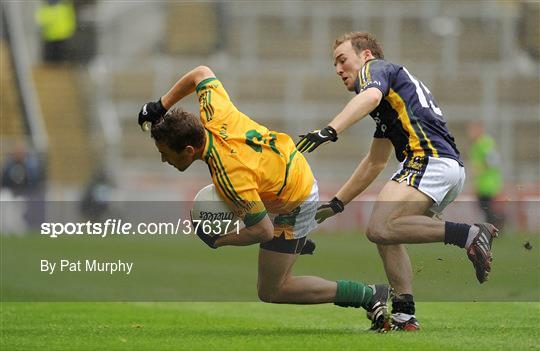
(398, 217)
(277, 285)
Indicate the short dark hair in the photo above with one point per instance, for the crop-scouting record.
(361, 41)
(178, 129)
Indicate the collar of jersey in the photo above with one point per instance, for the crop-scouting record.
(373, 59)
(357, 81)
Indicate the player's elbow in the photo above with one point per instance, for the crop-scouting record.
(203, 69)
(373, 168)
(377, 167)
(203, 72)
(263, 230)
(267, 234)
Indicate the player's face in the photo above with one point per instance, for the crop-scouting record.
(179, 160)
(347, 64)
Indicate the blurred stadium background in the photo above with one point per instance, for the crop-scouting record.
(480, 59)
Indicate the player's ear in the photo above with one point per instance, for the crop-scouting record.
(365, 54)
(190, 150)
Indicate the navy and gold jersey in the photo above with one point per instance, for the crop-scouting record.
(408, 114)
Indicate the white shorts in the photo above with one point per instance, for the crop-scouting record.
(301, 221)
(441, 179)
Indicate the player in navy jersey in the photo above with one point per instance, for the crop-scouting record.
(408, 115)
(431, 174)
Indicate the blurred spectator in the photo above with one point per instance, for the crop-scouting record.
(23, 178)
(486, 171)
(23, 173)
(97, 195)
(57, 19)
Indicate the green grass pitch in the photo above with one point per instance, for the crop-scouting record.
(505, 316)
(258, 326)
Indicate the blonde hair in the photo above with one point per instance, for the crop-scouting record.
(361, 41)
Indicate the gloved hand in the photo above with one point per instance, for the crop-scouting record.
(151, 112)
(308, 248)
(329, 209)
(313, 139)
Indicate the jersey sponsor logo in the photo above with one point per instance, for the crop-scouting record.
(369, 84)
(245, 209)
(208, 87)
(417, 163)
(374, 82)
(223, 131)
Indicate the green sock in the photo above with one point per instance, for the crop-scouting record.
(352, 294)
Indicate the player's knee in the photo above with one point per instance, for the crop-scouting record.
(265, 295)
(275, 295)
(377, 233)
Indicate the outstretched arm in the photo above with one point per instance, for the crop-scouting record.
(186, 85)
(366, 172)
(356, 109)
(154, 110)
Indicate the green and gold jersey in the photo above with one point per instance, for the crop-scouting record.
(255, 170)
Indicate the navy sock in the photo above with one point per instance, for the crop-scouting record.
(456, 233)
(403, 303)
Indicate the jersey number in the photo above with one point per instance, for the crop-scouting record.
(422, 97)
(252, 135)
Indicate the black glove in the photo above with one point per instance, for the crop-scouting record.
(209, 240)
(313, 139)
(308, 248)
(329, 209)
(151, 112)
